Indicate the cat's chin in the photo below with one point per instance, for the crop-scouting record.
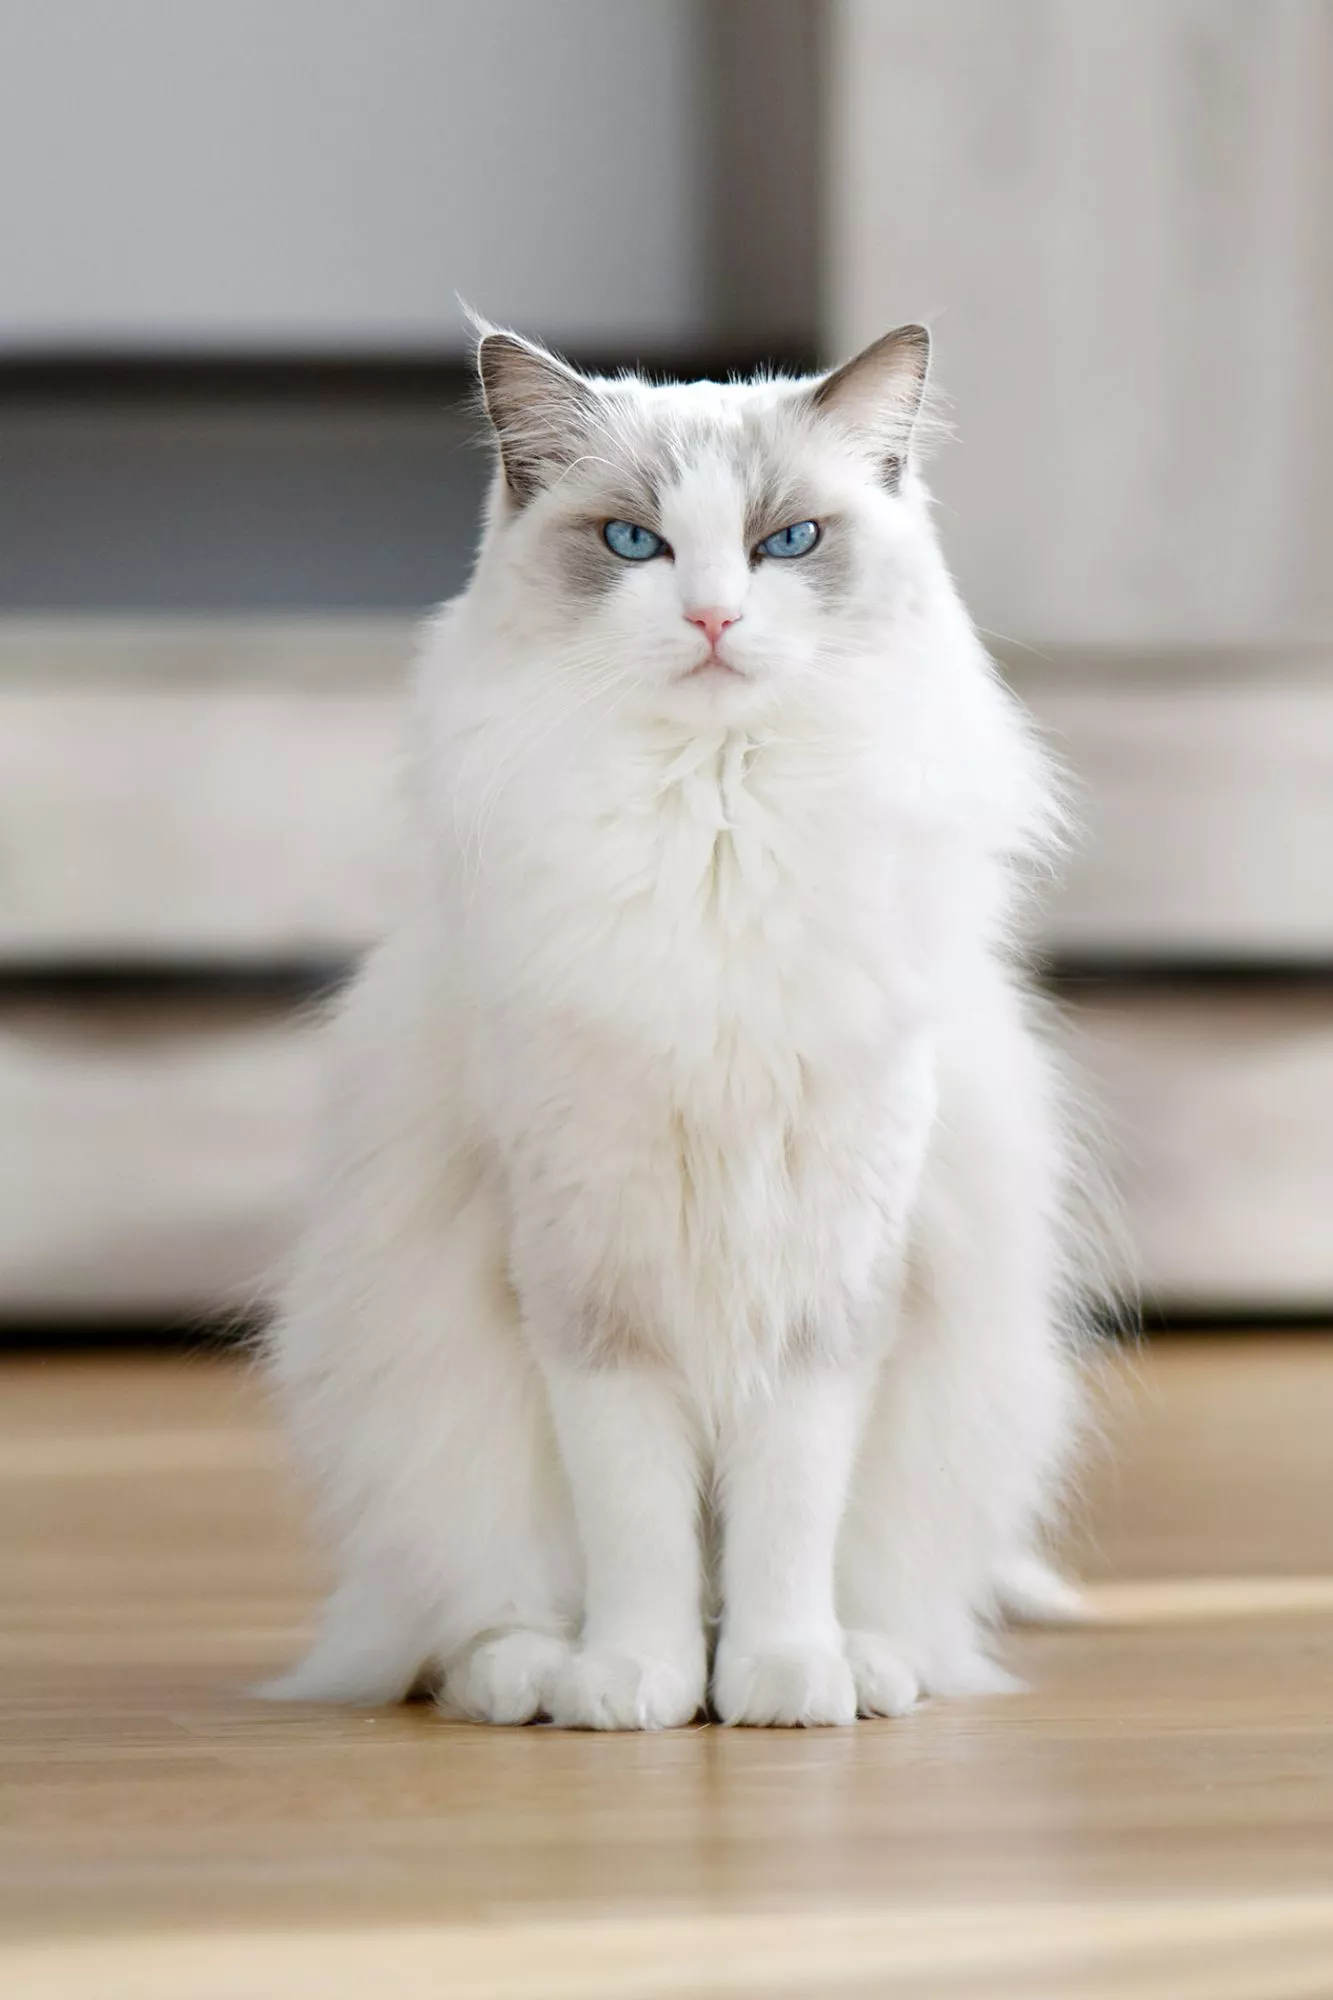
(713, 690)
(719, 699)
(713, 672)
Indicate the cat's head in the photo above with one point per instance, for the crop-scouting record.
(700, 547)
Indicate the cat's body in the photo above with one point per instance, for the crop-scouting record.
(690, 1235)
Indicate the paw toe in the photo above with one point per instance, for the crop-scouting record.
(885, 1683)
(793, 1687)
(600, 1690)
(507, 1680)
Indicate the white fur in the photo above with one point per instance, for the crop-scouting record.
(689, 1239)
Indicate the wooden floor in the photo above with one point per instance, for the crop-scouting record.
(1154, 1818)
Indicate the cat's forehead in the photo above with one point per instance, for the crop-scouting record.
(676, 433)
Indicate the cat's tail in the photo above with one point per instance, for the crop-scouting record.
(1030, 1591)
(367, 1653)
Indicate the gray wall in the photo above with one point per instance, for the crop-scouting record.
(321, 177)
(328, 174)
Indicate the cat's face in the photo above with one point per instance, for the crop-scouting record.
(698, 548)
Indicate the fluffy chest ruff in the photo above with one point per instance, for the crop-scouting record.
(708, 1062)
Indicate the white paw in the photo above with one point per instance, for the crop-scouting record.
(885, 1684)
(792, 1687)
(604, 1690)
(508, 1679)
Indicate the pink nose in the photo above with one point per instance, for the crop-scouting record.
(712, 621)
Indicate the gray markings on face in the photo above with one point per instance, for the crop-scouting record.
(776, 498)
(596, 491)
(586, 566)
(627, 467)
(830, 567)
(772, 500)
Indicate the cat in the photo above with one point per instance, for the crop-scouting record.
(683, 1322)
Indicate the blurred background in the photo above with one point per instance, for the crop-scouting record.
(237, 460)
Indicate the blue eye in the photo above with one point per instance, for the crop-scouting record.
(635, 544)
(797, 540)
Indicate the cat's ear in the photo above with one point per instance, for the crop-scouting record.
(877, 394)
(539, 408)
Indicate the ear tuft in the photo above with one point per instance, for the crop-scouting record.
(539, 408)
(878, 392)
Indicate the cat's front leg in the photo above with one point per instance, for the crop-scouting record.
(784, 1468)
(632, 1459)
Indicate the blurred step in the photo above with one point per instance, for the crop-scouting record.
(227, 791)
(153, 1155)
(215, 800)
(1218, 1113)
(175, 792)
(1203, 781)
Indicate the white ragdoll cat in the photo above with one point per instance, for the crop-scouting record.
(682, 1318)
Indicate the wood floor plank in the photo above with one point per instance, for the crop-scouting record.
(1155, 1816)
